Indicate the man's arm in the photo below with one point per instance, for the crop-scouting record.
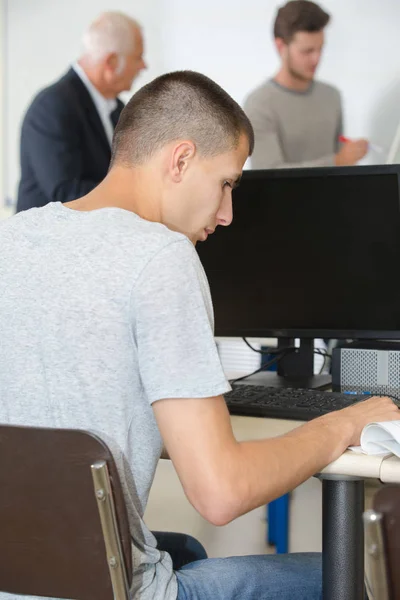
(183, 380)
(224, 479)
(51, 139)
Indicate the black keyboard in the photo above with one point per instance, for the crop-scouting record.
(286, 403)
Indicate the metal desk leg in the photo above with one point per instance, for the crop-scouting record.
(342, 538)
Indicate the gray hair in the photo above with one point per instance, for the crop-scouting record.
(110, 32)
(178, 106)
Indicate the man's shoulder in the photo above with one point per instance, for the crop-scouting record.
(265, 101)
(269, 92)
(154, 235)
(261, 93)
(146, 249)
(135, 236)
(326, 89)
(118, 237)
(58, 95)
(158, 243)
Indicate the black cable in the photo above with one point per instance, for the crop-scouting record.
(280, 353)
(275, 350)
(323, 364)
(269, 350)
(325, 354)
(277, 358)
(320, 351)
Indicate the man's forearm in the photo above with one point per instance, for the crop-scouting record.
(261, 471)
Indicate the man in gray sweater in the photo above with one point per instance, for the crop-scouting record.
(297, 121)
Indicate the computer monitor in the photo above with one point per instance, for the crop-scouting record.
(311, 253)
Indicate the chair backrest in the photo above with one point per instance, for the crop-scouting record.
(63, 523)
(382, 538)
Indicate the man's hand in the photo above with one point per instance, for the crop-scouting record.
(351, 152)
(369, 411)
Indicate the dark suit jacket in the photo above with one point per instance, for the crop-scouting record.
(64, 149)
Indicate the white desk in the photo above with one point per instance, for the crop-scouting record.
(343, 505)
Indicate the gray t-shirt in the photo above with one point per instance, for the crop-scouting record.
(101, 314)
(294, 129)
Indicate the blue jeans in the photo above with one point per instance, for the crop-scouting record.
(261, 577)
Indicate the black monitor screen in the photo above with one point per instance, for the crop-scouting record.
(311, 253)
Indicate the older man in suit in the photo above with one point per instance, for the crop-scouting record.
(67, 131)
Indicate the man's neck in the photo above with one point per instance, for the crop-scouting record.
(122, 189)
(95, 80)
(286, 79)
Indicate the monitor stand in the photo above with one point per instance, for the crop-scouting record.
(295, 369)
(269, 379)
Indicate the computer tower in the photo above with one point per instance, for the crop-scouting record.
(367, 367)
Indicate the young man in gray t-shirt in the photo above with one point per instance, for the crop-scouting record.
(297, 120)
(106, 324)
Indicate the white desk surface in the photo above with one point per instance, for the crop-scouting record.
(385, 468)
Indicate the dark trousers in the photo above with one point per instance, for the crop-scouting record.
(182, 548)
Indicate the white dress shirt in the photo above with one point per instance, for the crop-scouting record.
(104, 106)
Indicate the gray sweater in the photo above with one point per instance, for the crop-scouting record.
(294, 129)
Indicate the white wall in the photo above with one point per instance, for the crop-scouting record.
(229, 40)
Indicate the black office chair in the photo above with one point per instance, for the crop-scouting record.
(382, 545)
(63, 520)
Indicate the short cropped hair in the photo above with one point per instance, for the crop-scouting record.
(299, 15)
(177, 106)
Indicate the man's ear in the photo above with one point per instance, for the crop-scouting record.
(280, 45)
(113, 64)
(182, 155)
